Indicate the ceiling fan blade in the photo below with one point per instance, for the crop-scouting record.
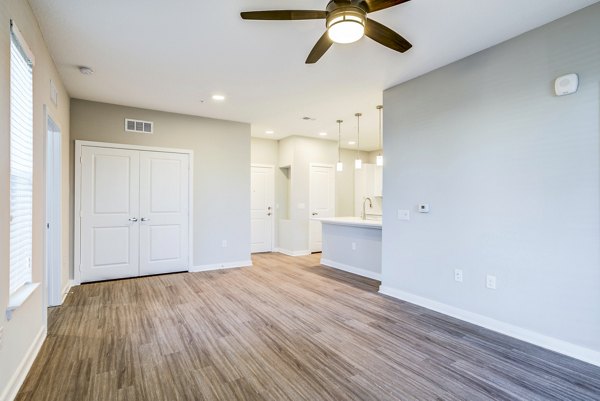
(284, 15)
(323, 44)
(384, 35)
(376, 5)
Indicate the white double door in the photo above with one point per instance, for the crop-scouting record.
(134, 213)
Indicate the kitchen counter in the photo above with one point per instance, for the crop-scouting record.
(353, 245)
(352, 221)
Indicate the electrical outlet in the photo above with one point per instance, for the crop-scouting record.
(224, 243)
(490, 282)
(354, 246)
(458, 275)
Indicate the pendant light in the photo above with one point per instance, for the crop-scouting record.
(379, 160)
(339, 166)
(358, 161)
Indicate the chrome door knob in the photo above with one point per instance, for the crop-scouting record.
(133, 219)
(145, 219)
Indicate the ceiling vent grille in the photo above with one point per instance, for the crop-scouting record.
(139, 126)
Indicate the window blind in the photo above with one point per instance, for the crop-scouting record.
(21, 164)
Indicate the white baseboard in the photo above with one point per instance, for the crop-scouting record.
(16, 381)
(532, 337)
(292, 253)
(351, 269)
(219, 266)
(66, 289)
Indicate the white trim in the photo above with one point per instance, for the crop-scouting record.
(131, 147)
(77, 202)
(67, 288)
(52, 278)
(220, 266)
(19, 297)
(292, 253)
(541, 340)
(16, 381)
(351, 269)
(274, 217)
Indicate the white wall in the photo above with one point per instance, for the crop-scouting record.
(298, 152)
(512, 176)
(221, 169)
(27, 324)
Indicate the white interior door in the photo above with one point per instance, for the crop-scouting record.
(164, 212)
(109, 213)
(322, 201)
(262, 185)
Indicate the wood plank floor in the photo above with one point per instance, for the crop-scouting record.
(285, 329)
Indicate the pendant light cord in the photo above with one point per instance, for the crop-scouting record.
(380, 108)
(339, 140)
(358, 135)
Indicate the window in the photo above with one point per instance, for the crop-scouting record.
(21, 161)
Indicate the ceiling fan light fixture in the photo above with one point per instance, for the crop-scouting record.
(346, 25)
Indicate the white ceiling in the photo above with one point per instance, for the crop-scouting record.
(173, 55)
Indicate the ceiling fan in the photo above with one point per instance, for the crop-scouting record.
(346, 22)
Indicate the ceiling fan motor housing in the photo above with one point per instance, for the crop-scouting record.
(345, 22)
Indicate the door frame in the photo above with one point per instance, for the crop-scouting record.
(272, 168)
(53, 213)
(310, 166)
(77, 203)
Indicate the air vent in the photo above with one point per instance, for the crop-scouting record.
(141, 127)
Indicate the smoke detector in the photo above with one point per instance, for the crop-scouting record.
(85, 70)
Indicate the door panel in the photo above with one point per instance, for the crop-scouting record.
(109, 199)
(322, 202)
(261, 209)
(164, 212)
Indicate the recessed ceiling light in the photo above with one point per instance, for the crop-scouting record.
(218, 98)
(352, 143)
(269, 132)
(323, 133)
(85, 70)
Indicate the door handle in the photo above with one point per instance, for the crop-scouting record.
(268, 214)
(145, 219)
(315, 214)
(133, 219)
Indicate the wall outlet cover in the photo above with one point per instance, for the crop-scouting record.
(490, 282)
(458, 275)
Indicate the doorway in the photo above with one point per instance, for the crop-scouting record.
(262, 184)
(133, 208)
(53, 213)
(321, 201)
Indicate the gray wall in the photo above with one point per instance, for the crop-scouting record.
(512, 176)
(28, 321)
(221, 169)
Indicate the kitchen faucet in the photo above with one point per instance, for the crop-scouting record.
(364, 213)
